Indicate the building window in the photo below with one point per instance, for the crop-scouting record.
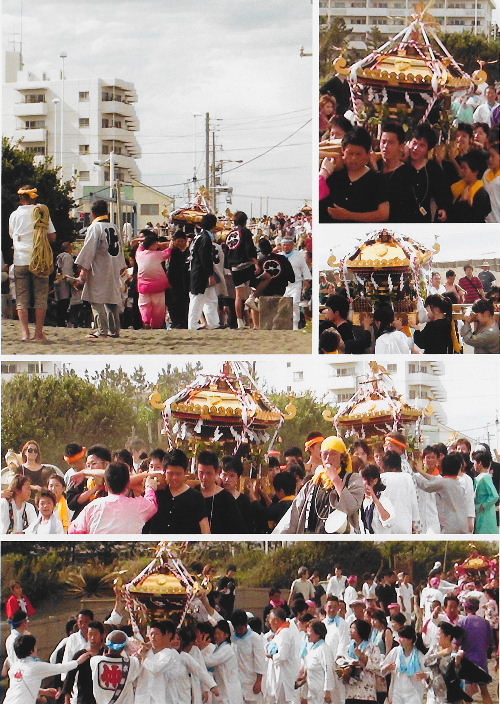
(288, 365)
(456, 21)
(379, 20)
(33, 367)
(345, 371)
(416, 367)
(83, 96)
(35, 150)
(84, 175)
(109, 95)
(34, 98)
(343, 397)
(358, 4)
(84, 149)
(357, 20)
(392, 368)
(84, 122)
(106, 122)
(34, 124)
(9, 368)
(150, 209)
(298, 376)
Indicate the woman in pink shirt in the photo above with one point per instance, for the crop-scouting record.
(152, 279)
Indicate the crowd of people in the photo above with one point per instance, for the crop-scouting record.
(368, 488)
(409, 176)
(436, 331)
(184, 277)
(356, 639)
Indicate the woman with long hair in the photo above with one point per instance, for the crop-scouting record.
(406, 664)
(17, 514)
(381, 635)
(389, 340)
(377, 510)
(37, 472)
(224, 661)
(152, 279)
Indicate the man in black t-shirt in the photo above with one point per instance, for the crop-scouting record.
(356, 193)
(178, 276)
(385, 591)
(242, 260)
(84, 684)
(226, 589)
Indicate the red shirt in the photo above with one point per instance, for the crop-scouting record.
(471, 287)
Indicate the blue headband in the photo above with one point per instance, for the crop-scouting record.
(116, 646)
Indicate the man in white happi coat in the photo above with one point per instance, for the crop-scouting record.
(101, 260)
(19, 624)
(115, 672)
(337, 584)
(28, 671)
(283, 660)
(337, 631)
(78, 640)
(302, 276)
(251, 657)
(160, 666)
(401, 491)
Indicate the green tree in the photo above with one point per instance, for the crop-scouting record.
(332, 39)
(374, 38)
(19, 168)
(467, 47)
(59, 409)
(309, 416)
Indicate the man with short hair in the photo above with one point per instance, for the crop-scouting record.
(101, 260)
(476, 643)
(181, 509)
(283, 660)
(355, 193)
(394, 172)
(485, 338)
(337, 583)
(385, 590)
(223, 513)
(484, 111)
(178, 276)
(202, 280)
(450, 497)
(486, 277)
(336, 312)
(80, 679)
(242, 259)
(427, 179)
(117, 512)
(160, 664)
(115, 672)
(79, 639)
(471, 284)
(62, 285)
(226, 589)
(32, 289)
(337, 630)
(251, 658)
(302, 275)
(436, 287)
(80, 493)
(19, 624)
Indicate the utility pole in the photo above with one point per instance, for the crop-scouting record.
(207, 150)
(213, 192)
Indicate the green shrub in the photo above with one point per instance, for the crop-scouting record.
(40, 576)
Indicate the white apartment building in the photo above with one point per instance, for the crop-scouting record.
(80, 120)
(390, 16)
(10, 368)
(417, 381)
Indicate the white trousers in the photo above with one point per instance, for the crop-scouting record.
(294, 291)
(205, 303)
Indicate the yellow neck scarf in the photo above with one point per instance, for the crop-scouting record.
(459, 187)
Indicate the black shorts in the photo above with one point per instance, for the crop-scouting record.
(243, 277)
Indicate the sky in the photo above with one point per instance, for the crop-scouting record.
(455, 240)
(239, 61)
(473, 390)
